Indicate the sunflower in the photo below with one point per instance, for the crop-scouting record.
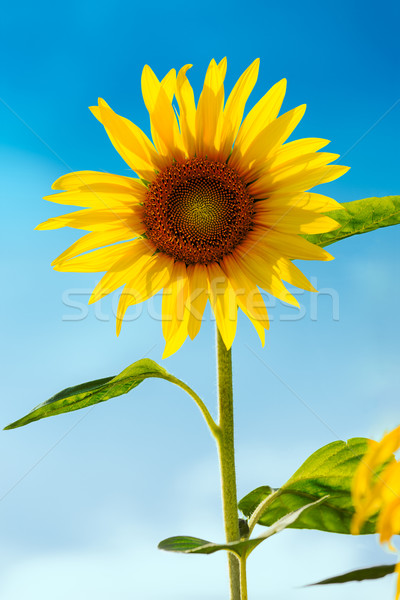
(376, 491)
(376, 487)
(217, 210)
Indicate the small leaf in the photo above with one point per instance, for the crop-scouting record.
(358, 217)
(182, 543)
(244, 530)
(93, 392)
(330, 470)
(192, 545)
(249, 503)
(359, 575)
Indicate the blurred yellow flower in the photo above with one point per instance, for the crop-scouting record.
(376, 490)
(217, 210)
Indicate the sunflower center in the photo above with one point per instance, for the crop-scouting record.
(198, 211)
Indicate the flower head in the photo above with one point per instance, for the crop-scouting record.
(217, 210)
(376, 490)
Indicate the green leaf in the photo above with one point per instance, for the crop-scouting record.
(358, 217)
(192, 545)
(183, 543)
(249, 503)
(93, 392)
(329, 470)
(359, 575)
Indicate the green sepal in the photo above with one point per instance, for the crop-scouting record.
(360, 216)
(359, 575)
(329, 470)
(192, 545)
(93, 392)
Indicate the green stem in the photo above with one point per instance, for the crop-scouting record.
(203, 408)
(225, 442)
(243, 578)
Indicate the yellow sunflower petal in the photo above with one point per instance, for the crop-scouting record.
(247, 294)
(268, 279)
(94, 240)
(112, 198)
(283, 267)
(263, 113)
(303, 180)
(291, 274)
(362, 479)
(256, 324)
(295, 220)
(377, 455)
(222, 65)
(275, 134)
(98, 260)
(164, 126)
(381, 452)
(187, 106)
(150, 90)
(388, 482)
(174, 342)
(99, 220)
(209, 111)
(198, 296)
(235, 104)
(174, 300)
(175, 313)
(128, 140)
(388, 523)
(299, 165)
(87, 179)
(223, 302)
(168, 83)
(292, 151)
(305, 200)
(147, 276)
(289, 246)
(123, 269)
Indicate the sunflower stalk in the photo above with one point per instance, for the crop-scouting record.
(225, 442)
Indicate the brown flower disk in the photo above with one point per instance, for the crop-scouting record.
(198, 211)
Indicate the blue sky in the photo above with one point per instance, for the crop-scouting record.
(86, 497)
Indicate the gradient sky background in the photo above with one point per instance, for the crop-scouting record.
(86, 497)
